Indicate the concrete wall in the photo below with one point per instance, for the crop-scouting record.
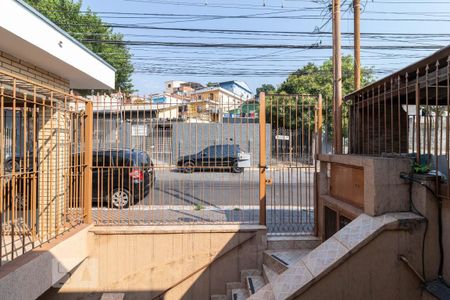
(385, 191)
(24, 69)
(374, 272)
(426, 203)
(54, 142)
(144, 261)
(31, 274)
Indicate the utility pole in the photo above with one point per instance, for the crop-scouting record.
(357, 41)
(337, 76)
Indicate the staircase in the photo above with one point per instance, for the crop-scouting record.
(282, 252)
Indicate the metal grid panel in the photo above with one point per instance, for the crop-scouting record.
(41, 171)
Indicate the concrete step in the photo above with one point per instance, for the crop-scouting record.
(249, 272)
(284, 242)
(239, 294)
(254, 283)
(280, 260)
(233, 286)
(112, 296)
(218, 297)
(269, 274)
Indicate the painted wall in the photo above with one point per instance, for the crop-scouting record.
(14, 65)
(144, 261)
(35, 39)
(374, 272)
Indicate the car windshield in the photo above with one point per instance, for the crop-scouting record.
(141, 159)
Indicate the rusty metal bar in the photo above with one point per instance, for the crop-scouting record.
(88, 136)
(262, 159)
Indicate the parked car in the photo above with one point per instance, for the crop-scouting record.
(18, 162)
(225, 156)
(121, 176)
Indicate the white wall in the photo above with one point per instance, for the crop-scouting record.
(30, 37)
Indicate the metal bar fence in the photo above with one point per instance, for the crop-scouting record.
(186, 160)
(408, 115)
(178, 160)
(40, 164)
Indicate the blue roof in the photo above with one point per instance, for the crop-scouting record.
(241, 84)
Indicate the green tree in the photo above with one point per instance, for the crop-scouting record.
(315, 80)
(312, 80)
(89, 29)
(266, 88)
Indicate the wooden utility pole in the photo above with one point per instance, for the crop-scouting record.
(357, 42)
(337, 78)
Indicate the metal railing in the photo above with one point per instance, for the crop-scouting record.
(295, 140)
(42, 165)
(174, 161)
(406, 114)
(188, 161)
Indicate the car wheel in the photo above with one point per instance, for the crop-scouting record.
(189, 167)
(120, 198)
(237, 169)
(9, 166)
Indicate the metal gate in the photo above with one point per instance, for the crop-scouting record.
(287, 175)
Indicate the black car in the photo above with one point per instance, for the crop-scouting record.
(121, 176)
(221, 156)
(17, 163)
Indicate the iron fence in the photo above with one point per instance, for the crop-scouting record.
(42, 165)
(406, 114)
(296, 122)
(173, 162)
(178, 162)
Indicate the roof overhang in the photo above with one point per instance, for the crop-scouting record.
(29, 36)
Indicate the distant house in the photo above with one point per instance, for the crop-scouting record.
(239, 88)
(223, 99)
(181, 87)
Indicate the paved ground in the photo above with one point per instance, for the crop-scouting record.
(228, 189)
(222, 197)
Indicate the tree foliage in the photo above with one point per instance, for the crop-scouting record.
(84, 26)
(315, 80)
(286, 111)
(266, 88)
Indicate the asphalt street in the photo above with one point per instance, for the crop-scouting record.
(217, 189)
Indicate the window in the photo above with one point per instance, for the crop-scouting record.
(211, 96)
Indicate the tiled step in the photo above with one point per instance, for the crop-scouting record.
(292, 242)
(239, 294)
(233, 286)
(112, 296)
(280, 260)
(249, 272)
(254, 283)
(218, 297)
(269, 274)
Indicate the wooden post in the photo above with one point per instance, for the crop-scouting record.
(337, 76)
(357, 42)
(88, 136)
(262, 159)
(319, 126)
(417, 117)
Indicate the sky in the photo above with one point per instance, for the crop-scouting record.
(415, 25)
